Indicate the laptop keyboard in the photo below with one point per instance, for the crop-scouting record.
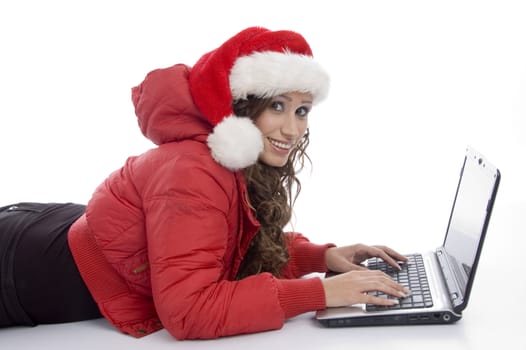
(412, 276)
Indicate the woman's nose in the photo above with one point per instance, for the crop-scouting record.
(290, 125)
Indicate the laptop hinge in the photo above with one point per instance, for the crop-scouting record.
(456, 294)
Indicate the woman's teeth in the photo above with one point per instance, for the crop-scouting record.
(279, 144)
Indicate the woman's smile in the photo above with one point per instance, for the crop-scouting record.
(281, 146)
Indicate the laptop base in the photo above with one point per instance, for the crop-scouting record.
(443, 317)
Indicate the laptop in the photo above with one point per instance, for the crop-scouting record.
(441, 279)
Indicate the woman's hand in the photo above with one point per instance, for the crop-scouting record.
(351, 287)
(348, 258)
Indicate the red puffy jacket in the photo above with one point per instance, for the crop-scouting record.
(163, 237)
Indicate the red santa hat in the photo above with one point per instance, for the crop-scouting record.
(258, 62)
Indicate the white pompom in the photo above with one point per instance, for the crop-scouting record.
(236, 142)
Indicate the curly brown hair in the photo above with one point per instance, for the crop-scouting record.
(270, 191)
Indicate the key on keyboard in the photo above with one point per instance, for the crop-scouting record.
(412, 276)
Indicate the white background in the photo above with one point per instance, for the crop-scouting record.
(413, 83)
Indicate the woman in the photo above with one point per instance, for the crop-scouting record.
(189, 235)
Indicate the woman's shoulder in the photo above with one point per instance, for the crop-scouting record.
(187, 162)
(192, 155)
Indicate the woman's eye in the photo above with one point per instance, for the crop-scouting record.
(277, 106)
(302, 111)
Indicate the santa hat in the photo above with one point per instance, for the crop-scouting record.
(256, 62)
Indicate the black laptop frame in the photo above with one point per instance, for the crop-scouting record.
(460, 299)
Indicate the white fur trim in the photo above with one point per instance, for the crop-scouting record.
(236, 142)
(271, 73)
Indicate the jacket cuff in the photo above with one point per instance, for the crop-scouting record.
(298, 296)
(310, 257)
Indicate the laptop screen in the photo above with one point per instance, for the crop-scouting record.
(470, 215)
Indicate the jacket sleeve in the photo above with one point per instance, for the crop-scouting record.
(305, 256)
(187, 231)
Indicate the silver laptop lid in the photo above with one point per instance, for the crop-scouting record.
(468, 223)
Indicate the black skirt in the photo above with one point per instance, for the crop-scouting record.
(39, 281)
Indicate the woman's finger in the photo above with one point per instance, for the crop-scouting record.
(387, 255)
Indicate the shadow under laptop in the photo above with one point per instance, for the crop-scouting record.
(455, 333)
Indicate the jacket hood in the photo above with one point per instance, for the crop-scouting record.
(165, 109)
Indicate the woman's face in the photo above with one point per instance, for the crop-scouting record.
(283, 124)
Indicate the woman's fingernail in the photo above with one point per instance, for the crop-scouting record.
(405, 293)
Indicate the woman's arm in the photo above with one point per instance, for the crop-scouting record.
(305, 257)
(188, 234)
